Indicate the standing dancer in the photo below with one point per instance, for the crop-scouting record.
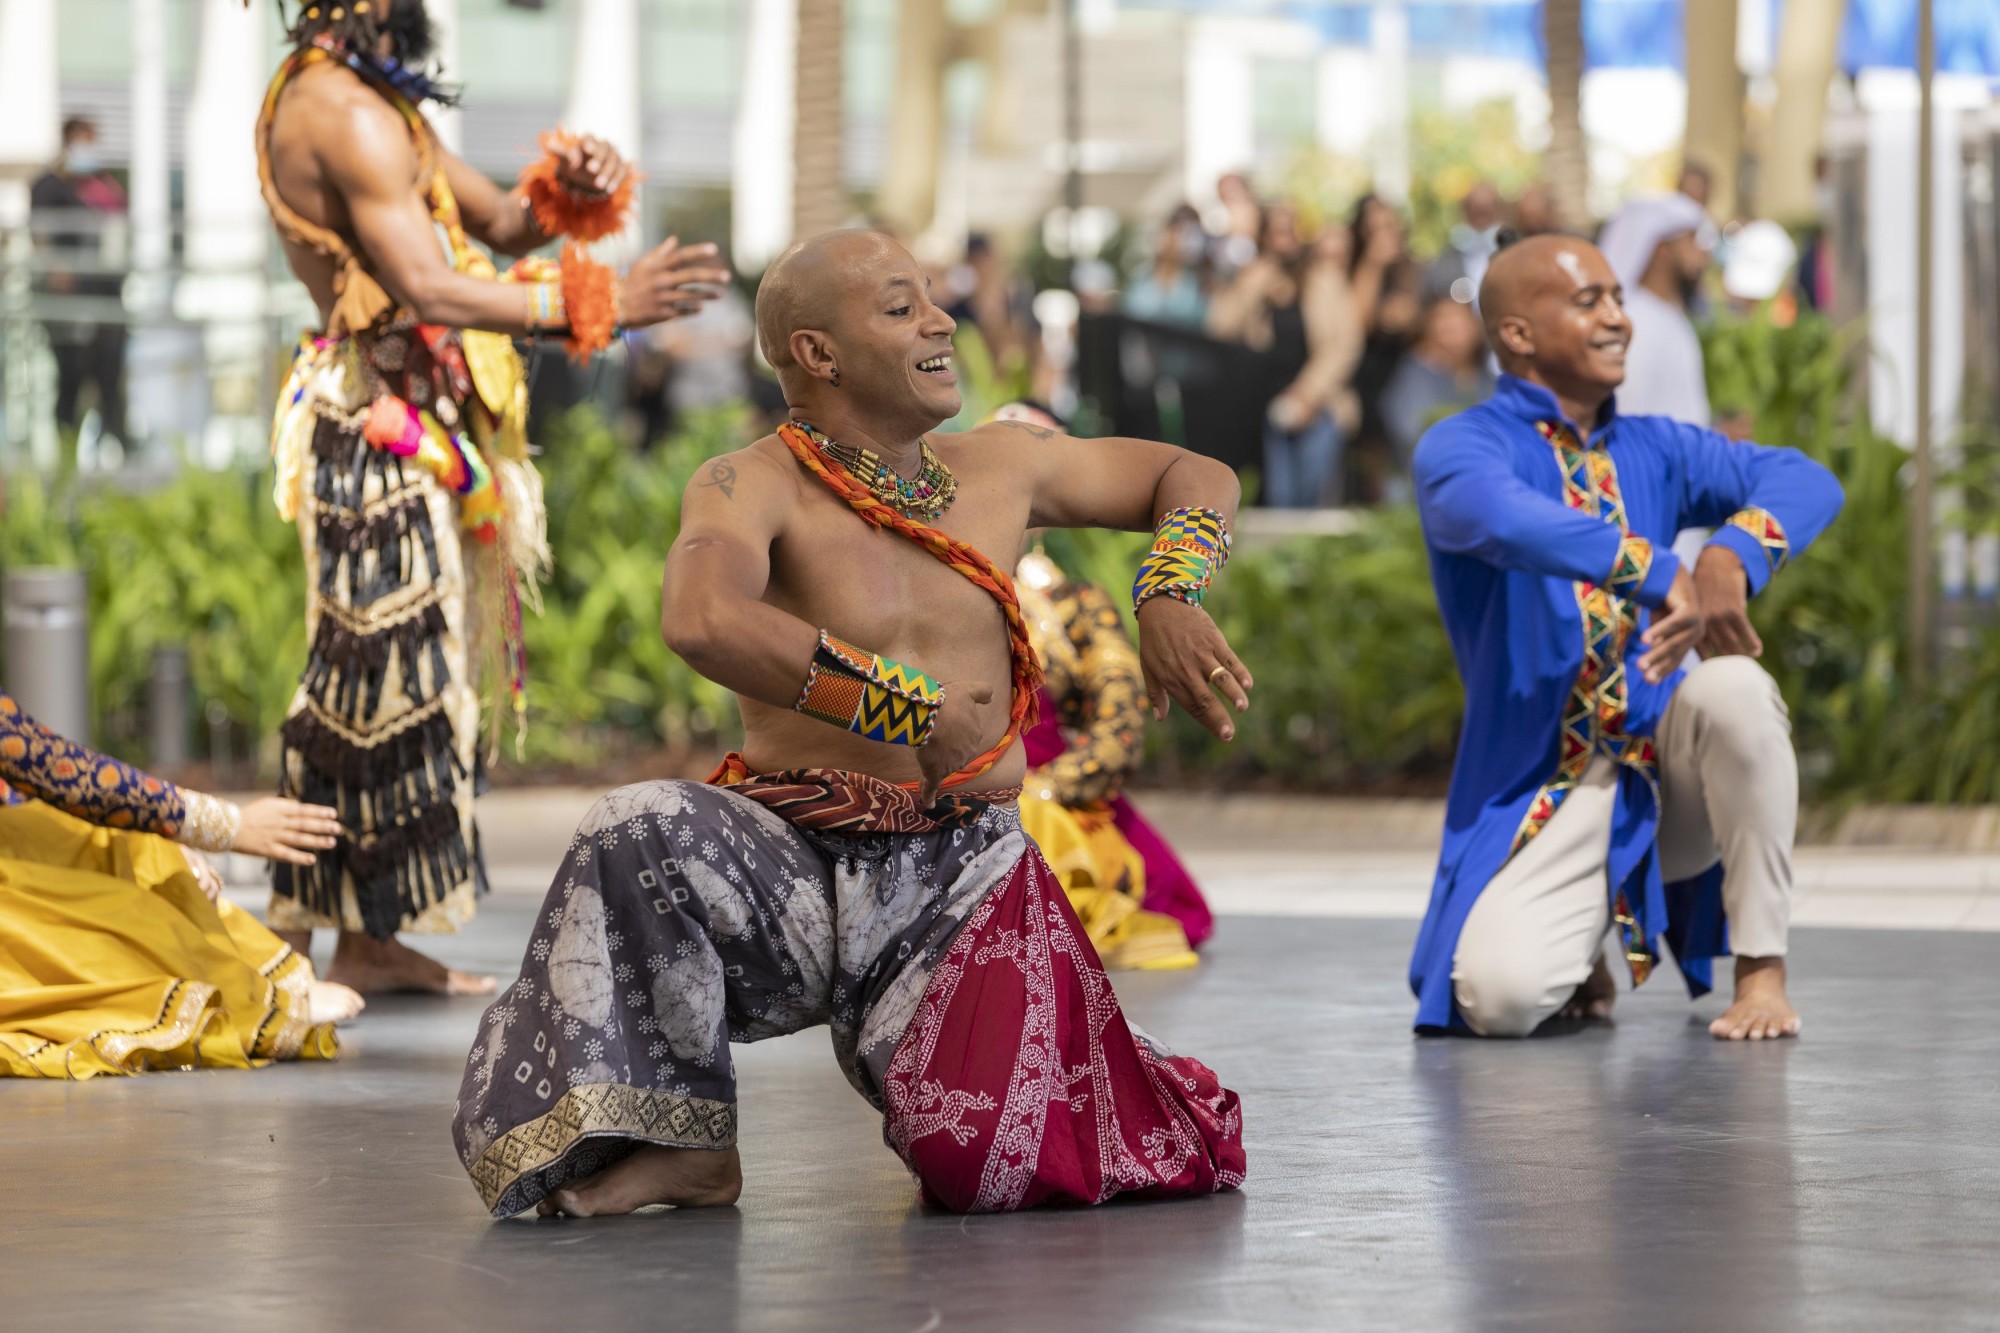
(401, 454)
(861, 863)
(1597, 783)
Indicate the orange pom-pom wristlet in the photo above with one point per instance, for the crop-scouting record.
(561, 211)
(590, 297)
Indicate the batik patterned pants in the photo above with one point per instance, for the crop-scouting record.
(965, 999)
(686, 917)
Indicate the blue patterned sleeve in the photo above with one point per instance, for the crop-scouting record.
(76, 779)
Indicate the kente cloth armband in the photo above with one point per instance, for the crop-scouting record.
(875, 698)
(1190, 547)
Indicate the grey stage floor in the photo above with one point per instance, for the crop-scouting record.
(1642, 1177)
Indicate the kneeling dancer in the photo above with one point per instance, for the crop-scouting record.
(861, 862)
(1597, 782)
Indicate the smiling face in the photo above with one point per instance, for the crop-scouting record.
(1556, 314)
(894, 344)
(856, 303)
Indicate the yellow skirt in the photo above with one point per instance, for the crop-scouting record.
(113, 961)
(1105, 880)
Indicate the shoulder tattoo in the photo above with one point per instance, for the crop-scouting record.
(722, 477)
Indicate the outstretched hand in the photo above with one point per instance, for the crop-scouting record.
(1184, 657)
(963, 723)
(279, 829)
(1677, 627)
(669, 280)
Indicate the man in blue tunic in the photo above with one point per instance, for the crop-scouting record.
(1598, 783)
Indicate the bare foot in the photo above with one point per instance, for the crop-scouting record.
(331, 1002)
(374, 967)
(300, 940)
(1594, 998)
(683, 1177)
(1761, 1010)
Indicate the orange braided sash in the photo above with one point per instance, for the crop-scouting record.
(1027, 669)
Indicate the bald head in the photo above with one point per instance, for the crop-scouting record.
(806, 286)
(1554, 311)
(846, 320)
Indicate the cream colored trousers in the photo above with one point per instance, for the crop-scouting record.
(1729, 792)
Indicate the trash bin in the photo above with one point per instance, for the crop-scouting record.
(47, 629)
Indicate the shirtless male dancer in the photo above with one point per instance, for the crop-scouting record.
(401, 453)
(861, 863)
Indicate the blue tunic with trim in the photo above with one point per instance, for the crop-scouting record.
(1548, 551)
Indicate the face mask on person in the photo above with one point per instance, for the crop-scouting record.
(83, 159)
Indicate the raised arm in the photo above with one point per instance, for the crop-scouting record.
(1139, 486)
(1472, 503)
(1765, 505)
(369, 159)
(367, 155)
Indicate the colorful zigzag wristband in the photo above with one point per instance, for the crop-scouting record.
(870, 695)
(1190, 547)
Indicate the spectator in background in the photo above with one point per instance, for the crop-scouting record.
(1535, 211)
(694, 364)
(1697, 182)
(993, 301)
(75, 208)
(1238, 220)
(1457, 271)
(1173, 289)
(1388, 297)
(1295, 306)
(1447, 371)
(1659, 248)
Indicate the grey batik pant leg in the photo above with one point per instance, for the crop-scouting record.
(1729, 792)
(682, 915)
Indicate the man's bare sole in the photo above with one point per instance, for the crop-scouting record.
(379, 967)
(1594, 998)
(1761, 1010)
(682, 1177)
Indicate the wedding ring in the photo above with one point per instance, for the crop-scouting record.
(1219, 671)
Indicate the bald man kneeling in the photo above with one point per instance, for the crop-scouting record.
(1600, 788)
(861, 863)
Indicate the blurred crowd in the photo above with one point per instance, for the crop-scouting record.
(1355, 344)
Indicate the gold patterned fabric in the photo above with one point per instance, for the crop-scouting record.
(1096, 729)
(113, 961)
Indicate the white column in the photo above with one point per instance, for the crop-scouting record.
(1220, 126)
(1344, 99)
(152, 235)
(1890, 99)
(30, 112)
(228, 229)
(1389, 47)
(761, 157)
(604, 94)
(448, 120)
